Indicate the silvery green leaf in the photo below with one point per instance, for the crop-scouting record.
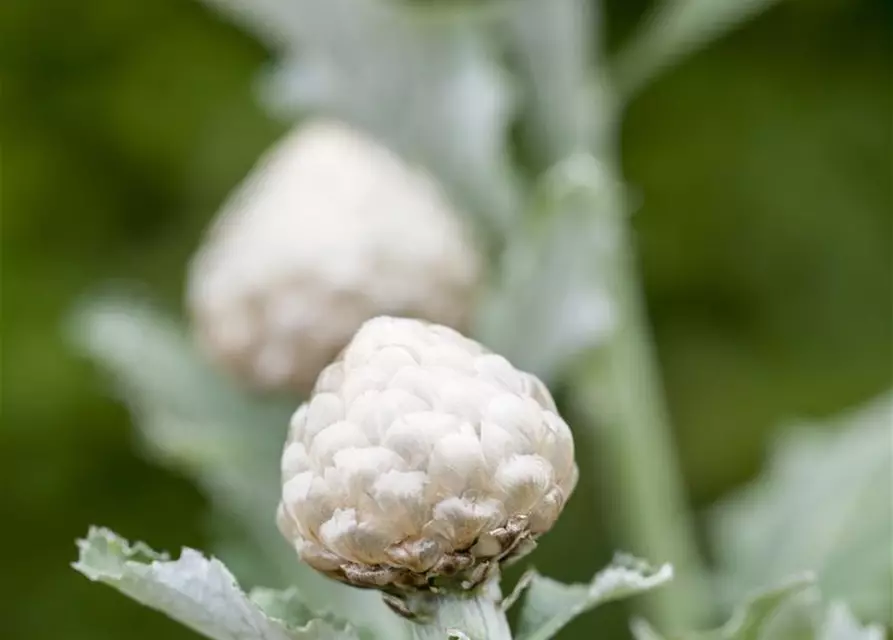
(289, 606)
(190, 419)
(555, 294)
(792, 611)
(750, 621)
(187, 416)
(273, 22)
(549, 605)
(641, 630)
(196, 591)
(824, 503)
(552, 43)
(518, 590)
(428, 87)
(840, 624)
(753, 620)
(675, 29)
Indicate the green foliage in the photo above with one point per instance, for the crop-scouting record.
(792, 611)
(187, 416)
(763, 169)
(751, 621)
(825, 504)
(675, 29)
(192, 420)
(840, 624)
(549, 605)
(554, 295)
(197, 592)
(553, 43)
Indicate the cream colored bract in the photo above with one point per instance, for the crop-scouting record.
(329, 230)
(422, 458)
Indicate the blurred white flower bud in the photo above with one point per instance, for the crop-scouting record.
(421, 460)
(329, 230)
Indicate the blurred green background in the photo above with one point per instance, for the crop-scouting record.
(762, 166)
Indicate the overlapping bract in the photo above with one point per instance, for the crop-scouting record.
(419, 456)
(329, 230)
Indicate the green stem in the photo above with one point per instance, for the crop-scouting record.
(618, 392)
(476, 616)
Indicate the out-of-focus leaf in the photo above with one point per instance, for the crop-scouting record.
(750, 621)
(195, 591)
(273, 22)
(186, 415)
(428, 87)
(290, 607)
(554, 298)
(792, 611)
(191, 419)
(675, 29)
(753, 620)
(518, 590)
(552, 43)
(825, 503)
(840, 624)
(550, 605)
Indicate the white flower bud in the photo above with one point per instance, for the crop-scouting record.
(421, 460)
(329, 230)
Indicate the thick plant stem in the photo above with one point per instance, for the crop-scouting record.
(618, 389)
(618, 392)
(476, 616)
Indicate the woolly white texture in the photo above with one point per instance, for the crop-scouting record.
(418, 443)
(329, 230)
